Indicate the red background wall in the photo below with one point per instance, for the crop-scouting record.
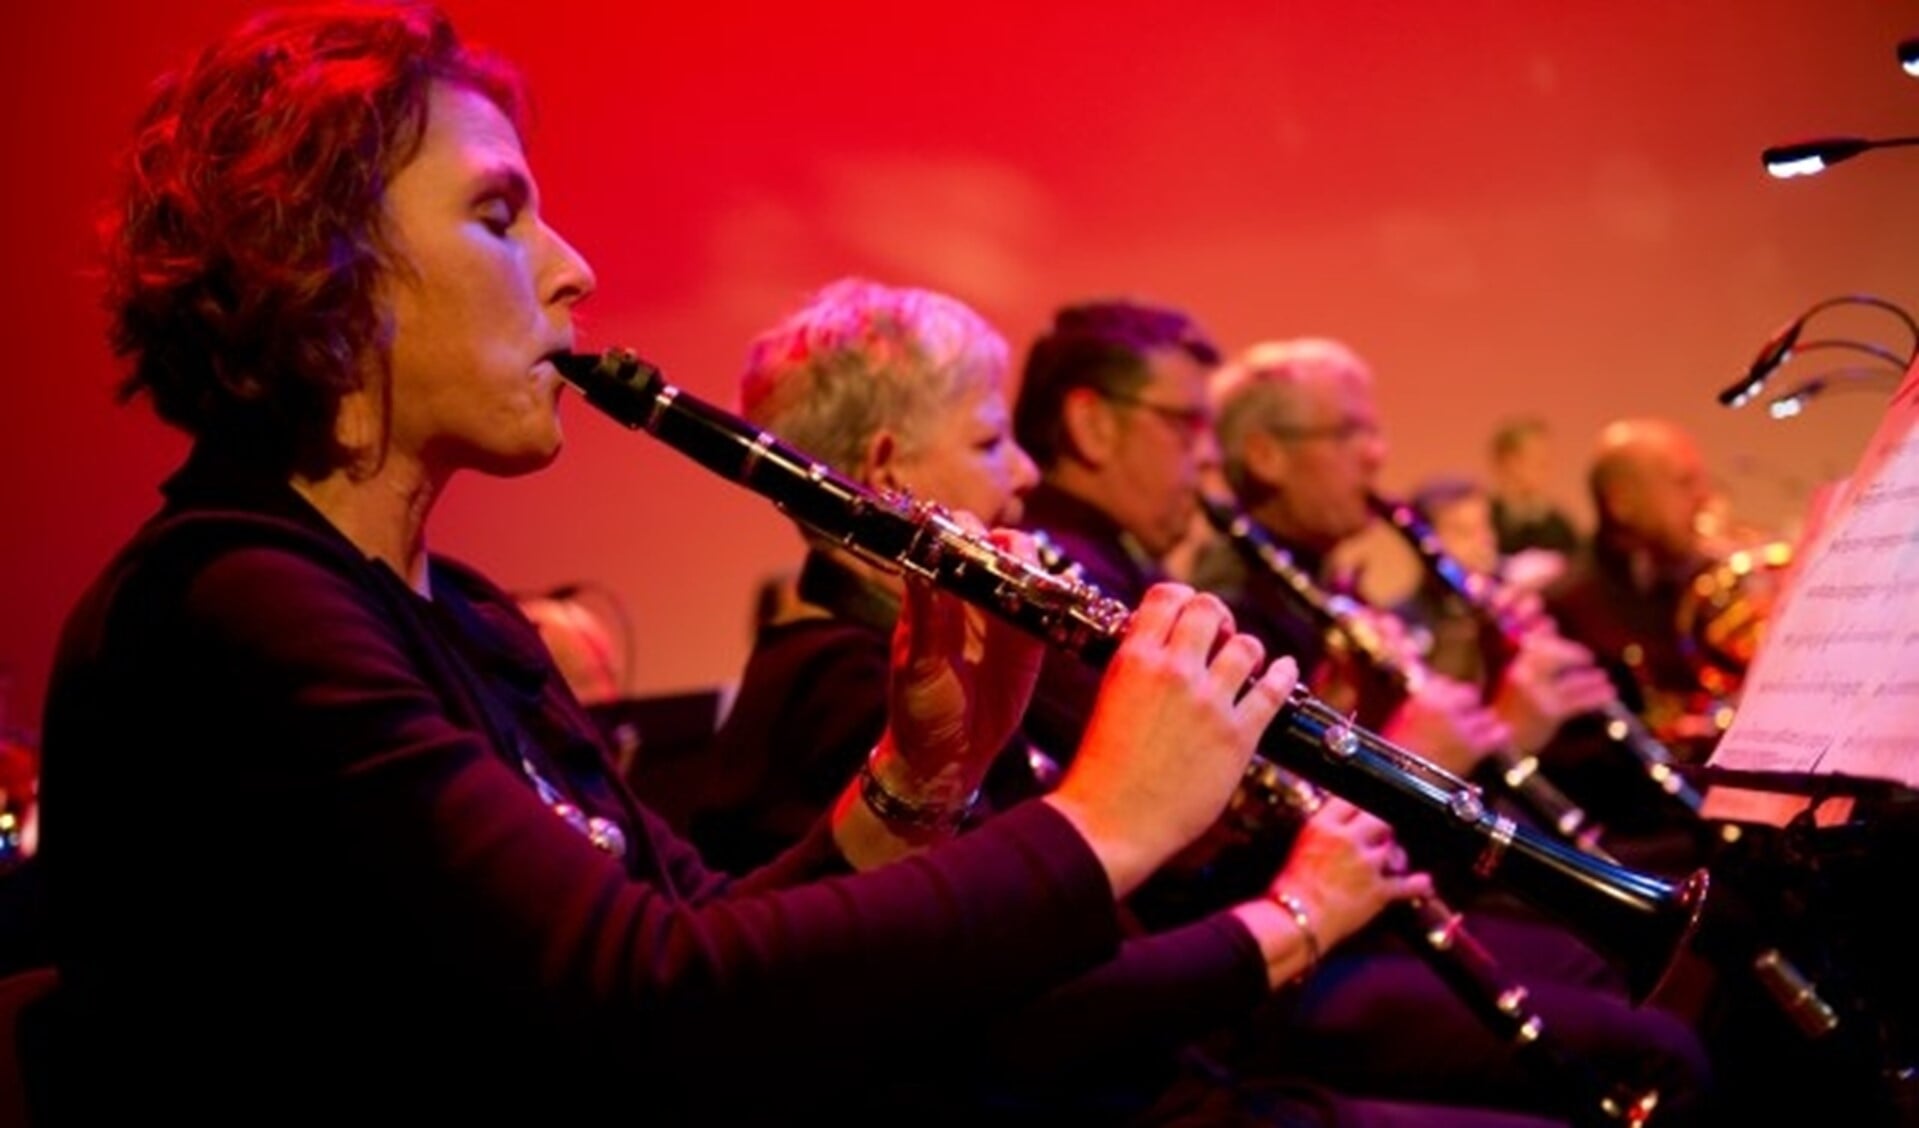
(1551, 207)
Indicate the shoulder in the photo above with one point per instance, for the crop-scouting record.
(218, 564)
(1218, 568)
(826, 641)
(1579, 589)
(471, 582)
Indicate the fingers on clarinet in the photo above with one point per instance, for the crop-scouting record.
(1200, 624)
(1267, 695)
(1238, 657)
(1016, 541)
(1396, 863)
(1159, 610)
(1336, 809)
(969, 521)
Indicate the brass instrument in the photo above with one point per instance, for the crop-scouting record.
(1517, 774)
(1724, 610)
(1641, 920)
(1624, 729)
(1720, 622)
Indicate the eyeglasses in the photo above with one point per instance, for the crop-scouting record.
(1342, 432)
(1190, 420)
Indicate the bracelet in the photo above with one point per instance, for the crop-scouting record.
(896, 810)
(1303, 921)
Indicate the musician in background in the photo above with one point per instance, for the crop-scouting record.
(1303, 448)
(1448, 635)
(903, 389)
(1523, 512)
(23, 931)
(328, 839)
(1621, 597)
(582, 643)
(1114, 406)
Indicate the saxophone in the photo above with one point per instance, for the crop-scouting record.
(1642, 920)
(1517, 774)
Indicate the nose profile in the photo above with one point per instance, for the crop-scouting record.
(1025, 472)
(1375, 440)
(1206, 454)
(569, 277)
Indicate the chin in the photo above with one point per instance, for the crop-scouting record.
(519, 463)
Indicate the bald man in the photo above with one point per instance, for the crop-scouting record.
(1621, 597)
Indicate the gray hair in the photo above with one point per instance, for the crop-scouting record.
(860, 357)
(1261, 389)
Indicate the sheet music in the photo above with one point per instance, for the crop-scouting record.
(1835, 685)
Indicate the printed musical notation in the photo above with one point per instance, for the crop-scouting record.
(1835, 686)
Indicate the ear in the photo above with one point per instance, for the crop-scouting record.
(1092, 432)
(1618, 500)
(879, 462)
(1267, 459)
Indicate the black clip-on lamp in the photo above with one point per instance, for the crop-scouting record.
(1785, 344)
(1809, 158)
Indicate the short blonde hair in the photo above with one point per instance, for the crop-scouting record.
(860, 357)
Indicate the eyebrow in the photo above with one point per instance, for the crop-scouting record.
(506, 180)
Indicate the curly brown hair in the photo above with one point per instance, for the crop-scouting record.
(244, 250)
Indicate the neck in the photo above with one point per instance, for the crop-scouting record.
(1516, 491)
(384, 513)
(1647, 564)
(888, 581)
(833, 585)
(1273, 516)
(1102, 493)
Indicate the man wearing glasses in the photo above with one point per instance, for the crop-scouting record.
(1113, 409)
(1302, 447)
(1114, 406)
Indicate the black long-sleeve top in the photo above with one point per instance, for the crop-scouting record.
(297, 865)
(810, 706)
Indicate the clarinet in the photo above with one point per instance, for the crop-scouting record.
(1438, 933)
(1642, 919)
(1796, 996)
(1476, 591)
(1337, 615)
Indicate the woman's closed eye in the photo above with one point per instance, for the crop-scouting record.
(498, 214)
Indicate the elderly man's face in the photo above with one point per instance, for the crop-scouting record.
(1664, 496)
(1333, 453)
